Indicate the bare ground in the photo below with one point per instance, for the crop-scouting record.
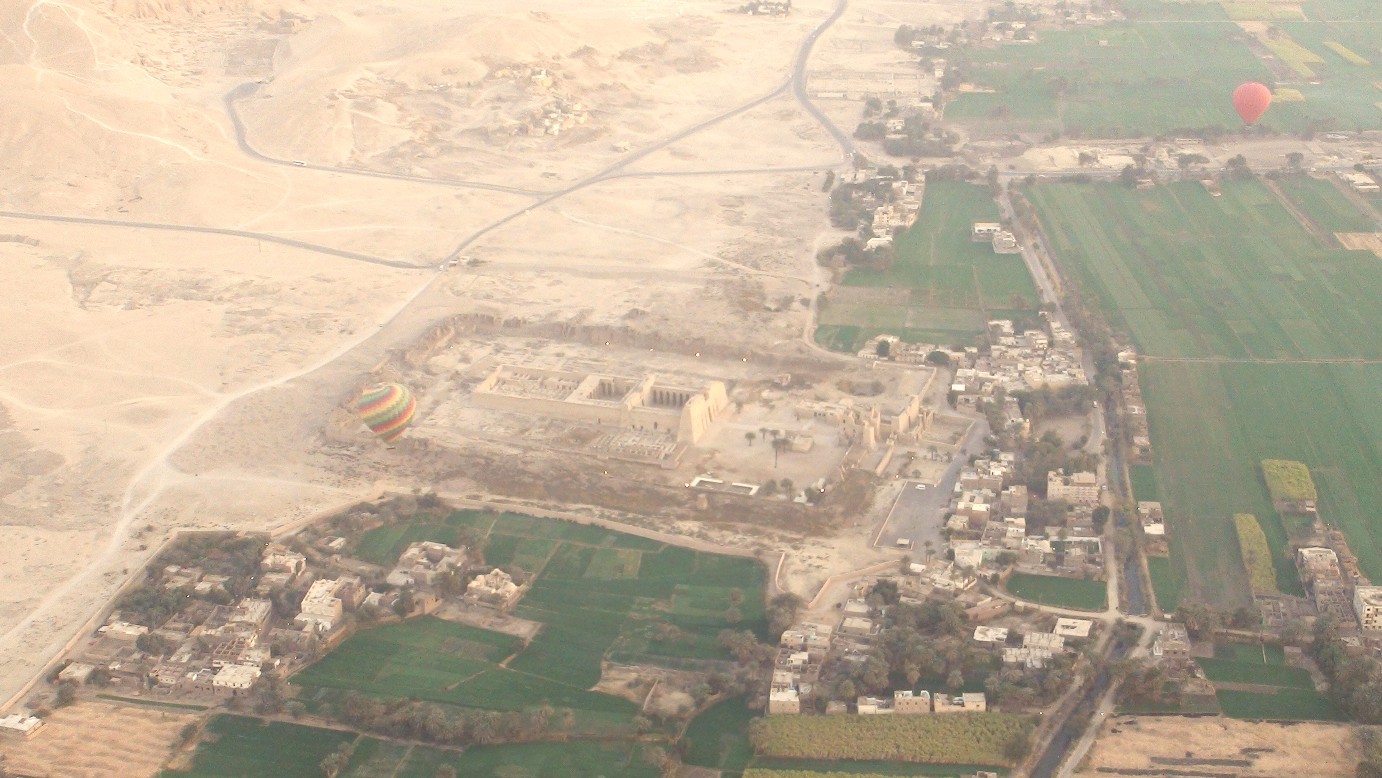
(1147, 742)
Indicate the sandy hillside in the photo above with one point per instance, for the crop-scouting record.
(223, 214)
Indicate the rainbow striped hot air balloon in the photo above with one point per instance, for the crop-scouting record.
(387, 409)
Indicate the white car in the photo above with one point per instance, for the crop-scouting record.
(921, 487)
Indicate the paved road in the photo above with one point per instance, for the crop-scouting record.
(297, 244)
(247, 90)
(614, 170)
(845, 143)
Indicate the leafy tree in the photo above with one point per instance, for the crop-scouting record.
(67, 694)
(782, 612)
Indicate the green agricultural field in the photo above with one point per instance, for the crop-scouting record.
(1256, 554)
(1171, 66)
(1288, 480)
(1229, 671)
(598, 594)
(1322, 203)
(1232, 280)
(576, 759)
(1165, 583)
(1284, 705)
(236, 746)
(942, 287)
(1251, 653)
(806, 768)
(983, 738)
(1126, 79)
(1145, 487)
(718, 738)
(1065, 592)
(439, 661)
(382, 545)
(1192, 275)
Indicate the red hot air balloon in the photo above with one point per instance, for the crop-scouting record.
(1250, 100)
(387, 409)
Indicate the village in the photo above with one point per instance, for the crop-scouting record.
(221, 614)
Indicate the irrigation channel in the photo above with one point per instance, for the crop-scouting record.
(1059, 747)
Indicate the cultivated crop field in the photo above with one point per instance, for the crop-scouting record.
(598, 594)
(806, 768)
(1064, 592)
(1239, 309)
(1165, 583)
(942, 287)
(969, 738)
(237, 746)
(1171, 66)
(1322, 202)
(1257, 555)
(1254, 682)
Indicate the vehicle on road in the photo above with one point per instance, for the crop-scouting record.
(299, 163)
(921, 487)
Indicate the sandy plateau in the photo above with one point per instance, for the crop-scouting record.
(221, 218)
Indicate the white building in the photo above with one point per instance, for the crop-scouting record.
(423, 562)
(19, 724)
(1073, 628)
(321, 607)
(494, 586)
(997, 635)
(1367, 605)
(784, 701)
(233, 679)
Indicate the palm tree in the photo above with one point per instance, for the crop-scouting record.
(778, 445)
(749, 436)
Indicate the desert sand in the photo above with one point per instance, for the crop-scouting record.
(220, 215)
(1136, 744)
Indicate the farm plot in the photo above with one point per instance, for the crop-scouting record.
(1127, 79)
(718, 738)
(1143, 76)
(576, 759)
(1281, 705)
(1192, 275)
(234, 746)
(1165, 583)
(941, 288)
(1254, 682)
(1065, 592)
(1322, 202)
(439, 661)
(1230, 281)
(1323, 415)
(237, 746)
(967, 738)
(821, 768)
(597, 594)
